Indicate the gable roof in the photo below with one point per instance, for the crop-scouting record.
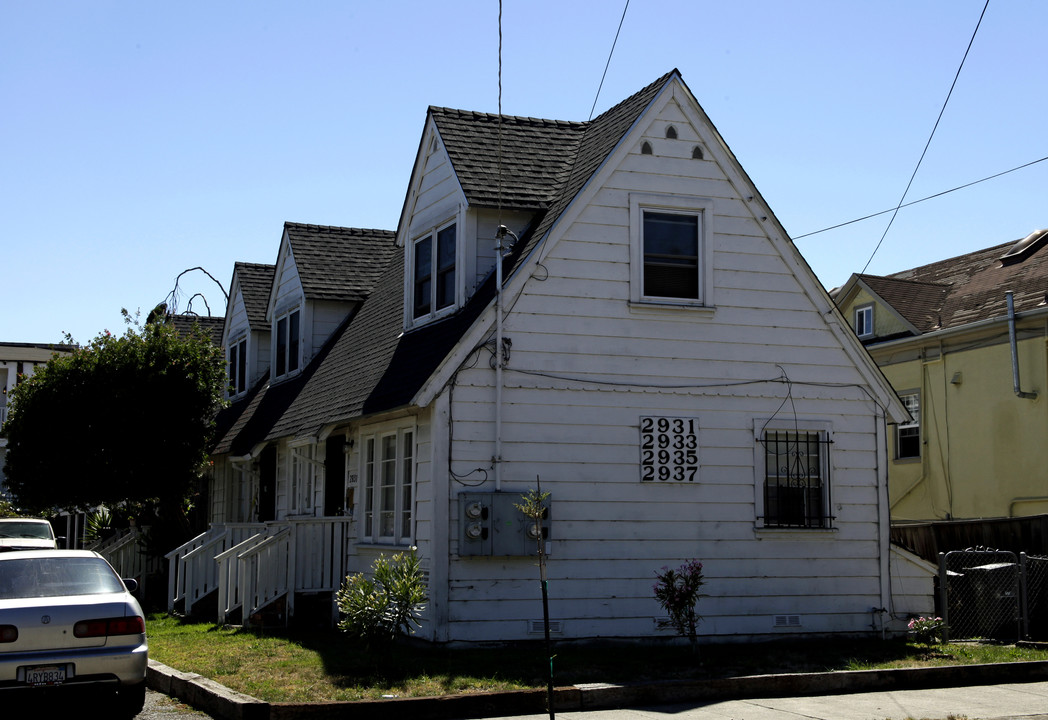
(915, 301)
(370, 364)
(338, 263)
(256, 280)
(966, 289)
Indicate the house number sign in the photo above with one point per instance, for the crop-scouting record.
(669, 449)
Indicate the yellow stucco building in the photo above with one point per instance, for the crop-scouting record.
(963, 342)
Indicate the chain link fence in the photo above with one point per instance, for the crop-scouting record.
(993, 595)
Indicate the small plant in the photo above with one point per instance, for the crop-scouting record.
(678, 593)
(928, 630)
(386, 605)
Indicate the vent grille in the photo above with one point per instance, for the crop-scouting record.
(787, 621)
(538, 627)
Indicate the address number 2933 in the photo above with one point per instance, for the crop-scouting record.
(669, 449)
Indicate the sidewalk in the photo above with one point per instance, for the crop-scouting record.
(987, 702)
(984, 692)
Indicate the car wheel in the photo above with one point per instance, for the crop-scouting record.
(131, 699)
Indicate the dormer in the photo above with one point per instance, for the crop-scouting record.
(473, 173)
(322, 275)
(246, 334)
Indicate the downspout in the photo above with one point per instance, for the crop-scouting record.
(1015, 354)
(500, 236)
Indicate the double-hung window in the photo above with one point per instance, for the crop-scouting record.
(908, 434)
(287, 343)
(864, 321)
(238, 367)
(793, 477)
(388, 475)
(434, 271)
(671, 259)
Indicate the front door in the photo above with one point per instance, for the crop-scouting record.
(267, 484)
(334, 475)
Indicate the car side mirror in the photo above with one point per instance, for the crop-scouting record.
(131, 584)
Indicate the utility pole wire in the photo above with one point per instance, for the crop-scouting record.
(923, 199)
(608, 64)
(907, 190)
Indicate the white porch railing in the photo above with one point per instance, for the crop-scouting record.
(252, 565)
(127, 554)
(230, 598)
(193, 572)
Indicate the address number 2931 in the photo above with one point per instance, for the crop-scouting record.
(669, 449)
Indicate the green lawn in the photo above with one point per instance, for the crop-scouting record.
(290, 666)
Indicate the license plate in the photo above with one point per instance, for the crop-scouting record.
(48, 675)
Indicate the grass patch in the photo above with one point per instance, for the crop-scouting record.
(322, 666)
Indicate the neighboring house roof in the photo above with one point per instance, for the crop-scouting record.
(968, 288)
(256, 280)
(338, 263)
(211, 325)
(917, 302)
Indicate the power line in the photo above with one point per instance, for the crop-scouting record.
(934, 128)
(608, 64)
(923, 199)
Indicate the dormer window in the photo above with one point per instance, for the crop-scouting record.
(287, 343)
(864, 321)
(434, 263)
(238, 367)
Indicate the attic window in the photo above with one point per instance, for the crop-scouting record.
(434, 266)
(671, 133)
(645, 148)
(1025, 247)
(696, 153)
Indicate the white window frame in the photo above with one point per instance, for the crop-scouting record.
(702, 209)
(236, 358)
(912, 400)
(763, 426)
(433, 236)
(864, 321)
(388, 517)
(301, 479)
(288, 354)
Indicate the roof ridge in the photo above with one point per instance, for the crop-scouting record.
(890, 278)
(494, 117)
(341, 229)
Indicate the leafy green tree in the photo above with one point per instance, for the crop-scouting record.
(124, 421)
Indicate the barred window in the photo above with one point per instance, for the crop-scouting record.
(796, 482)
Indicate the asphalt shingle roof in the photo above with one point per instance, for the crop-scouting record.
(965, 289)
(256, 281)
(370, 364)
(339, 263)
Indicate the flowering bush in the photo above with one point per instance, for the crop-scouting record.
(678, 593)
(927, 629)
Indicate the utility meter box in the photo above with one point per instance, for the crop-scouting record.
(489, 524)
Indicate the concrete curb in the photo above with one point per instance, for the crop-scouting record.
(223, 703)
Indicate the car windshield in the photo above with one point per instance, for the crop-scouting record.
(53, 576)
(38, 530)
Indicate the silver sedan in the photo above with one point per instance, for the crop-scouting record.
(67, 622)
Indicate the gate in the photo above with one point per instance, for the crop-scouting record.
(983, 595)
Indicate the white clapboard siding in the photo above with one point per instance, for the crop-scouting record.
(610, 532)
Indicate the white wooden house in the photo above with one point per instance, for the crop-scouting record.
(652, 348)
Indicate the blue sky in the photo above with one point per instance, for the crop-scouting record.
(138, 140)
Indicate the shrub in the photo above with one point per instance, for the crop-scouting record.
(678, 593)
(380, 608)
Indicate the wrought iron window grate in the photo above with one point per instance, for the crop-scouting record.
(796, 479)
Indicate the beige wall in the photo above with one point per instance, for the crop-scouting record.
(984, 450)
